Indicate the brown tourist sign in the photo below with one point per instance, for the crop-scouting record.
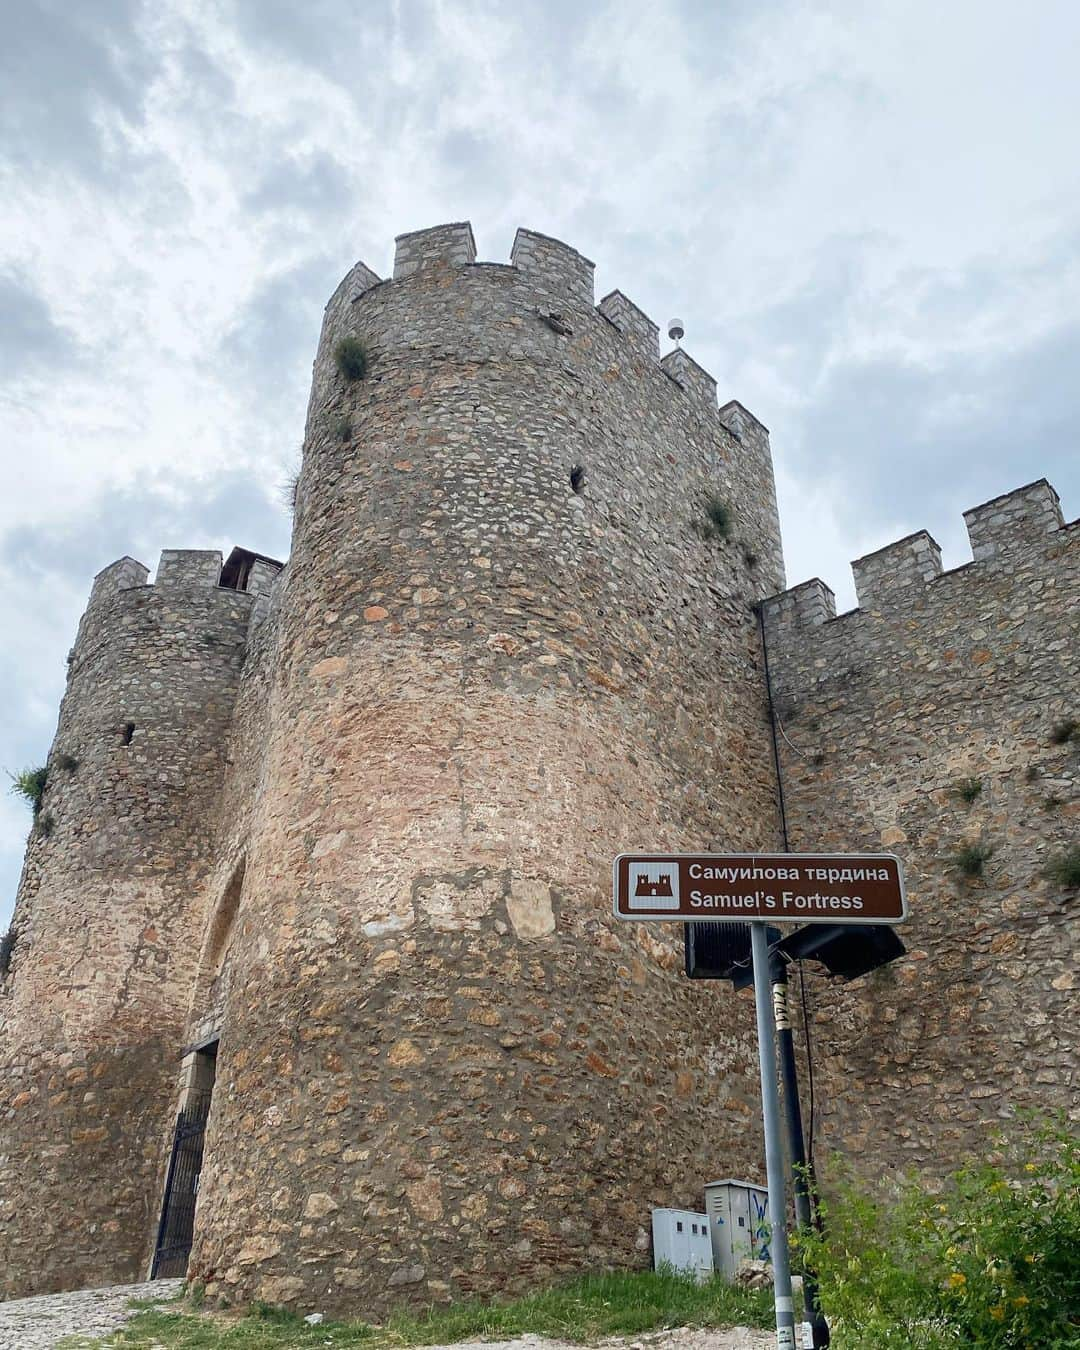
(779, 887)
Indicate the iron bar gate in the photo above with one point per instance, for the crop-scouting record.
(181, 1187)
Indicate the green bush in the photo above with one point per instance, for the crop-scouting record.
(30, 785)
(968, 789)
(993, 1260)
(718, 520)
(970, 859)
(351, 358)
(1065, 869)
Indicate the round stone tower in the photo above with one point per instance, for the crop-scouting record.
(107, 925)
(517, 635)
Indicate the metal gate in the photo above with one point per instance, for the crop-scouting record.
(181, 1187)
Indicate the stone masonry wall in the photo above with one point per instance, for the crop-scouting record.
(937, 682)
(443, 1067)
(92, 1012)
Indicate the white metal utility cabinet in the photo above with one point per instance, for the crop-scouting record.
(738, 1223)
(681, 1240)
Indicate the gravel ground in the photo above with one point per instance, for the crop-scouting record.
(41, 1323)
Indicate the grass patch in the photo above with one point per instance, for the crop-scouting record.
(971, 859)
(341, 427)
(67, 762)
(1064, 870)
(1064, 731)
(968, 789)
(351, 358)
(45, 823)
(29, 784)
(617, 1304)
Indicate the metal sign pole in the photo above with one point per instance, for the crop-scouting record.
(774, 1148)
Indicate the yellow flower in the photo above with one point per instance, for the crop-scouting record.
(998, 1187)
(1021, 1301)
(950, 1251)
(1030, 1167)
(956, 1280)
(1030, 1260)
(943, 1209)
(997, 1312)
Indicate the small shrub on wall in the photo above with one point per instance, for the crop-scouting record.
(29, 784)
(351, 358)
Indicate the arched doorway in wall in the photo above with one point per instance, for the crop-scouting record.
(198, 1069)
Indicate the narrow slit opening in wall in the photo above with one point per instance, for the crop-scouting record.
(128, 733)
(577, 479)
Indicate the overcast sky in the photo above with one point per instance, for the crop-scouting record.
(867, 215)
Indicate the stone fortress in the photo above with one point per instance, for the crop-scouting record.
(324, 853)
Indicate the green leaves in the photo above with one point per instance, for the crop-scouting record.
(992, 1260)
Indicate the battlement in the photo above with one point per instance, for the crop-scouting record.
(685, 371)
(553, 265)
(1013, 518)
(439, 248)
(634, 323)
(893, 577)
(251, 575)
(910, 561)
(560, 274)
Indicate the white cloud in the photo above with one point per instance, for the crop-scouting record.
(867, 217)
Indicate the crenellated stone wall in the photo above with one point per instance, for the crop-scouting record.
(942, 683)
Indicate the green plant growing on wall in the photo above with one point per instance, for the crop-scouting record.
(1052, 801)
(341, 427)
(1064, 870)
(29, 784)
(7, 948)
(968, 789)
(351, 358)
(289, 489)
(45, 824)
(718, 521)
(1068, 729)
(67, 762)
(971, 859)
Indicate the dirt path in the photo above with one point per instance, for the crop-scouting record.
(39, 1323)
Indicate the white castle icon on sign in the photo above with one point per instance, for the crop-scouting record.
(653, 886)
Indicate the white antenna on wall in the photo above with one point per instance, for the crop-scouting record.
(675, 330)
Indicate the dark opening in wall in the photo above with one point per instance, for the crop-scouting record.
(577, 478)
(127, 733)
